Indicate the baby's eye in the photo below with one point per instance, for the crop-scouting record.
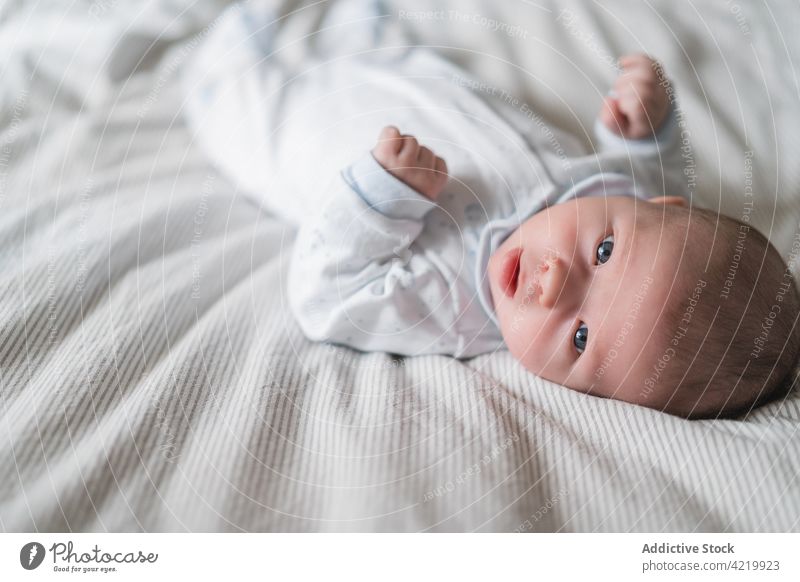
(581, 337)
(604, 249)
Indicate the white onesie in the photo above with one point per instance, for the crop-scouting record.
(377, 266)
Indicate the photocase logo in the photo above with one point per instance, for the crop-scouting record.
(31, 555)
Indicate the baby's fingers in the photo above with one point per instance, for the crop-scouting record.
(426, 158)
(389, 139)
(637, 62)
(612, 116)
(636, 116)
(410, 148)
(441, 167)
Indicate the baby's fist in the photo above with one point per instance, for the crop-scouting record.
(415, 165)
(639, 102)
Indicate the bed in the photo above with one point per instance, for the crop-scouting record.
(151, 378)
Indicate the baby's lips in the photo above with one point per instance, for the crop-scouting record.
(509, 272)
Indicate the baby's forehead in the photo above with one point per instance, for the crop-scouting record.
(628, 352)
(636, 324)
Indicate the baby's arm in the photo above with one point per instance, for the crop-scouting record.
(356, 275)
(639, 103)
(639, 121)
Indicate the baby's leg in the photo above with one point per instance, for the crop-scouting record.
(281, 133)
(228, 83)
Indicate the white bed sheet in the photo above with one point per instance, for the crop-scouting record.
(152, 380)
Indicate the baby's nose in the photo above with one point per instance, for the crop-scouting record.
(552, 274)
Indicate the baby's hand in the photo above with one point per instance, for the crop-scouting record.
(417, 166)
(639, 102)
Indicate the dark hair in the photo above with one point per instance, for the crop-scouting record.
(737, 339)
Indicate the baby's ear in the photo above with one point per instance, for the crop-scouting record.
(670, 200)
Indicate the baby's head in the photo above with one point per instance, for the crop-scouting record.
(675, 308)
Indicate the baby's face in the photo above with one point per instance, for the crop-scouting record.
(579, 288)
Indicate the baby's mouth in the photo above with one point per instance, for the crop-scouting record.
(509, 272)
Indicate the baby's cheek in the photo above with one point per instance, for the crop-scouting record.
(527, 342)
(513, 330)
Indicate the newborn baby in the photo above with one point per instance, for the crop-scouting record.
(495, 232)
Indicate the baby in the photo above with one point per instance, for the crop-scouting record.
(592, 270)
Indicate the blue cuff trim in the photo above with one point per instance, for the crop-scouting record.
(385, 193)
(659, 142)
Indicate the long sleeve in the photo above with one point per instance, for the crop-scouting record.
(662, 165)
(357, 277)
